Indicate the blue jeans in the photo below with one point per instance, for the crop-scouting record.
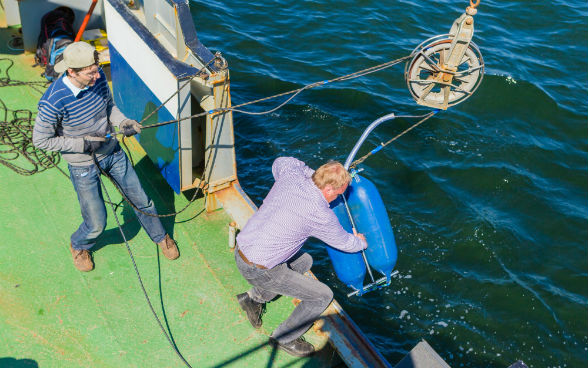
(87, 186)
(288, 279)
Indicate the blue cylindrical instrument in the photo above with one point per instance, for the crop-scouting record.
(368, 213)
(349, 267)
(371, 219)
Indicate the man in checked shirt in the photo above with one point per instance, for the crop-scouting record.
(268, 248)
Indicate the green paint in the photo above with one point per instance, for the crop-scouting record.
(101, 318)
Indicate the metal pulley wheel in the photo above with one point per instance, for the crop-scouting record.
(434, 83)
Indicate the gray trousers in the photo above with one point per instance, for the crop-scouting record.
(288, 279)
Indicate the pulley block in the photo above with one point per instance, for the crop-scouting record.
(446, 69)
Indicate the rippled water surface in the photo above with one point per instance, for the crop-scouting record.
(488, 200)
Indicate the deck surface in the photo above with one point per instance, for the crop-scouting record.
(52, 315)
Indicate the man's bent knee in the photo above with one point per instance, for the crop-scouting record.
(325, 295)
(302, 264)
(306, 261)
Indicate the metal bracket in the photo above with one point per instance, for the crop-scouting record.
(378, 284)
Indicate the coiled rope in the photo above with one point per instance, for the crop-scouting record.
(16, 132)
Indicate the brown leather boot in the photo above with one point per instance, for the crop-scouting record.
(82, 259)
(169, 247)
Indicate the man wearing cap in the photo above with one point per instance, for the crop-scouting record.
(269, 253)
(76, 113)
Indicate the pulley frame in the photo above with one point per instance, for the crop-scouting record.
(446, 69)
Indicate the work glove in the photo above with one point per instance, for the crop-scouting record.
(130, 127)
(92, 143)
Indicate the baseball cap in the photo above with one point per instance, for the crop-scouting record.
(76, 55)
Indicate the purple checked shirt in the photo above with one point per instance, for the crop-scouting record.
(294, 210)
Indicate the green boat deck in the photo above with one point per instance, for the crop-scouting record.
(52, 315)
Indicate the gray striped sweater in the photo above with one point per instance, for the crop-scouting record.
(64, 119)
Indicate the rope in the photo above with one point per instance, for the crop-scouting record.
(294, 93)
(382, 145)
(25, 148)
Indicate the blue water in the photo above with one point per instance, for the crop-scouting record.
(489, 200)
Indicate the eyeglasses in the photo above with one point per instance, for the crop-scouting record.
(89, 73)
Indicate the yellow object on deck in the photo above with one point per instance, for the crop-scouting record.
(98, 38)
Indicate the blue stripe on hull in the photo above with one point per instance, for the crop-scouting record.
(136, 101)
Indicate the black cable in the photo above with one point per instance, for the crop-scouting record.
(167, 336)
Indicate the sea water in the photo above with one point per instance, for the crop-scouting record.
(488, 200)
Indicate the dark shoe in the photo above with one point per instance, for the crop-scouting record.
(298, 347)
(169, 247)
(252, 308)
(82, 259)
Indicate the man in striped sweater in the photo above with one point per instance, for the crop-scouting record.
(269, 247)
(75, 115)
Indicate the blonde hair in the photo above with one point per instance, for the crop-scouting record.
(332, 173)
